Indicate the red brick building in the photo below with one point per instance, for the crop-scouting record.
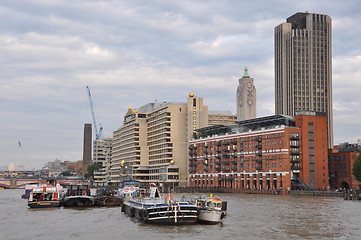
(275, 152)
(341, 160)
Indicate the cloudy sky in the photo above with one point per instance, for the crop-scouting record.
(140, 51)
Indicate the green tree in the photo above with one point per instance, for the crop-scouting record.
(91, 169)
(356, 170)
(66, 173)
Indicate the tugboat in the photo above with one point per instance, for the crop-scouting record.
(211, 209)
(46, 196)
(78, 196)
(150, 207)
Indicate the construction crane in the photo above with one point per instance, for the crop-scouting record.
(98, 134)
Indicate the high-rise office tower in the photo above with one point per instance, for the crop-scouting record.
(246, 97)
(303, 66)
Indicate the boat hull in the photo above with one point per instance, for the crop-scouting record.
(78, 201)
(163, 214)
(108, 201)
(44, 204)
(210, 216)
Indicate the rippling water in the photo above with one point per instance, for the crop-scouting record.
(249, 217)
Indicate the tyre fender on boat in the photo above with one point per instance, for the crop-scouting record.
(144, 214)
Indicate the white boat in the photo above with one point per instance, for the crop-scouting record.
(151, 207)
(212, 210)
(127, 189)
(46, 196)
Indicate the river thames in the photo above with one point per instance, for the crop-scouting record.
(249, 217)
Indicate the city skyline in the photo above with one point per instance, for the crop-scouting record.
(127, 55)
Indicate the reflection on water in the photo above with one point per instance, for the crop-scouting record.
(249, 217)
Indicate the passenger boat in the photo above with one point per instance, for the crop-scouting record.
(107, 197)
(211, 210)
(150, 207)
(46, 196)
(78, 196)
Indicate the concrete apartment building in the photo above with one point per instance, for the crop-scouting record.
(275, 152)
(102, 152)
(303, 66)
(152, 144)
(221, 117)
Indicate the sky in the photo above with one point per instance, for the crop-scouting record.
(141, 51)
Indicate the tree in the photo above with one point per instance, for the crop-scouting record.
(356, 170)
(91, 169)
(66, 173)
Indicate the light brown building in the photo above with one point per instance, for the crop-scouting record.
(303, 66)
(151, 146)
(221, 117)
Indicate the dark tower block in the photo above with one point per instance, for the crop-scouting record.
(87, 145)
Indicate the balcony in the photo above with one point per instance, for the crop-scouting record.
(259, 146)
(295, 151)
(225, 155)
(296, 160)
(293, 167)
(294, 137)
(225, 143)
(259, 154)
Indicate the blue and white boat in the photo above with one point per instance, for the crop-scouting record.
(150, 207)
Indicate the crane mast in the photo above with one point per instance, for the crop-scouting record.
(98, 134)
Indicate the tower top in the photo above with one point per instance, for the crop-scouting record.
(246, 74)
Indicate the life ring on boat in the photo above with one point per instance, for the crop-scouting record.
(126, 190)
(84, 192)
(217, 199)
(152, 185)
(169, 197)
(131, 189)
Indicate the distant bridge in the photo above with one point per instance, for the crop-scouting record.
(21, 183)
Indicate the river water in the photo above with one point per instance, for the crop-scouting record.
(249, 217)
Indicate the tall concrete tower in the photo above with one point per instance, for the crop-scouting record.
(246, 97)
(303, 66)
(87, 144)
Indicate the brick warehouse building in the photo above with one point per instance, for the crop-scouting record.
(340, 163)
(274, 152)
